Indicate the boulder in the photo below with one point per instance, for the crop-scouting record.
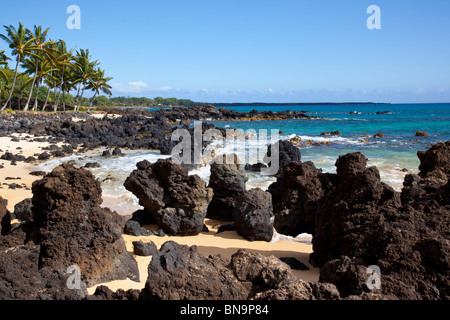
(357, 221)
(182, 273)
(227, 182)
(301, 290)
(296, 198)
(287, 153)
(176, 201)
(74, 230)
(378, 136)
(179, 272)
(24, 210)
(5, 218)
(144, 249)
(21, 278)
(253, 215)
(133, 228)
(268, 272)
(91, 165)
(422, 134)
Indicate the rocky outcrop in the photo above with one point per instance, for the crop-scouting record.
(253, 215)
(24, 210)
(287, 153)
(421, 133)
(72, 228)
(21, 278)
(5, 218)
(296, 197)
(358, 221)
(176, 201)
(181, 273)
(227, 181)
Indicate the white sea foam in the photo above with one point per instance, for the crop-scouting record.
(302, 238)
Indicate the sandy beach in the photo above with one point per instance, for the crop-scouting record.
(21, 170)
(225, 244)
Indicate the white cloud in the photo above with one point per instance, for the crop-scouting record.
(130, 87)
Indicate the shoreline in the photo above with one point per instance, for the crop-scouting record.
(298, 179)
(226, 243)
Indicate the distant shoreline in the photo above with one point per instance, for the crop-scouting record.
(265, 104)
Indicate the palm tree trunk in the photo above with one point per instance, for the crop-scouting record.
(64, 100)
(38, 85)
(13, 85)
(46, 99)
(57, 100)
(29, 95)
(92, 101)
(59, 94)
(78, 93)
(31, 90)
(81, 97)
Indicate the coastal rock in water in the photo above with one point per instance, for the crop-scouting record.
(176, 201)
(378, 136)
(437, 158)
(182, 273)
(422, 134)
(257, 167)
(253, 215)
(74, 230)
(228, 182)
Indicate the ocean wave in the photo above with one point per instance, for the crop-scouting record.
(331, 139)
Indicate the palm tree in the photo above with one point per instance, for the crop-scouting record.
(39, 38)
(99, 83)
(4, 62)
(21, 46)
(63, 62)
(84, 71)
(44, 72)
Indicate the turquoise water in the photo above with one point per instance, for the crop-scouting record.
(397, 151)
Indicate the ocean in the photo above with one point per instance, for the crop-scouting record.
(395, 155)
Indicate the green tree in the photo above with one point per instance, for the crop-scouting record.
(38, 52)
(21, 46)
(99, 82)
(63, 60)
(83, 73)
(4, 62)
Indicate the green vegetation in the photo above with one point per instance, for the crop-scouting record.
(50, 70)
(151, 103)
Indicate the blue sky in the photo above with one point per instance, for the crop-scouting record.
(258, 50)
